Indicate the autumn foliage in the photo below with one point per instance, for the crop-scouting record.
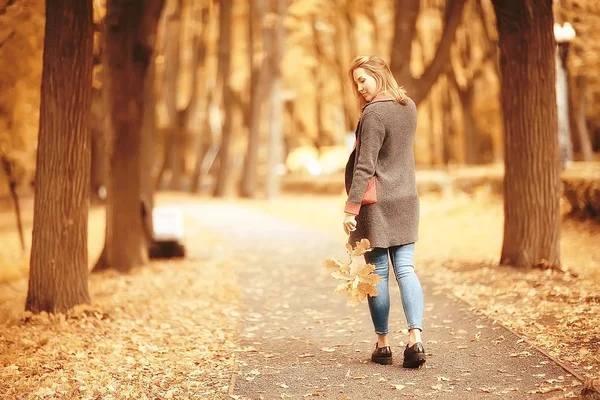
(358, 280)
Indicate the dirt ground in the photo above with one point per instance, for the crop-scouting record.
(143, 317)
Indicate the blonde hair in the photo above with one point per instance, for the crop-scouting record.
(379, 70)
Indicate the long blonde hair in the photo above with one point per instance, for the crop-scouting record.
(379, 70)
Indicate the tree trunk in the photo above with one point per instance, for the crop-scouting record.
(532, 166)
(176, 135)
(225, 18)
(562, 104)
(203, 136)
(272, 185)
(343, 55)
(58, 277)
(322, 139)
(148, 133)
(8, 169)
(130, 40)
(470, 137)
(99, 156)
(258, 76)
(578, 117)
(405, 31)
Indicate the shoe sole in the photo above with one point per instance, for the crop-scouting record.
(418, 363)
(383, 360)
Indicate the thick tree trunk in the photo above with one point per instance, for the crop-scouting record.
(222, 184)
(130, 39)
(532, 167)
(58, 277)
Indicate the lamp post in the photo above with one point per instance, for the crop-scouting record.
(564, 35)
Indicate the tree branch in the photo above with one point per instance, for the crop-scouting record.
(453, 18)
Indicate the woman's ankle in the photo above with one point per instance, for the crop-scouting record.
(382, 341)
(414, 336)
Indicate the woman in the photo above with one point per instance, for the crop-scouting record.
(383, 204)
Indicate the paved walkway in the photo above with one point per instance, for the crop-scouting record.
(299, 340)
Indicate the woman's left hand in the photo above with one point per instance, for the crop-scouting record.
(349, 223)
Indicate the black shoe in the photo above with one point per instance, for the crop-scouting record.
(382, 355)
(414, 356)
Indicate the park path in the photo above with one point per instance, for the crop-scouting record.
(298, 340)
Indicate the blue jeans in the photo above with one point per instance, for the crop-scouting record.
(411, 291)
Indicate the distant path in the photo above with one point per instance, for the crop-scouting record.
(300, 340)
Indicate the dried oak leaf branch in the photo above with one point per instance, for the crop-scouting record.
(358, 279)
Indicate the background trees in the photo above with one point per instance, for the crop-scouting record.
(459, 119)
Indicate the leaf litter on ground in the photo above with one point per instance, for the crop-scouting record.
(156, 332)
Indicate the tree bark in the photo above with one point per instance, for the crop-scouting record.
(225, 27)
(130, 40)
(58, 277)
(532, 166)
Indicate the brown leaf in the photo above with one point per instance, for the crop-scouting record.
(361, 248)
(332, 263)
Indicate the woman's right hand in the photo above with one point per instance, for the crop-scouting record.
(349, 223)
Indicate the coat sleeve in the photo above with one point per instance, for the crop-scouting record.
(371, 135)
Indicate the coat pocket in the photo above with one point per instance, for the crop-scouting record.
(370, 196)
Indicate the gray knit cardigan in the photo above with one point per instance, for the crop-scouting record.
(384, 149)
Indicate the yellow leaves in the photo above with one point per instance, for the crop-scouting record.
(358, 281)
(332, 263)
(361, 248)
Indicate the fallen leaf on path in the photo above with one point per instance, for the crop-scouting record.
(547, 389)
